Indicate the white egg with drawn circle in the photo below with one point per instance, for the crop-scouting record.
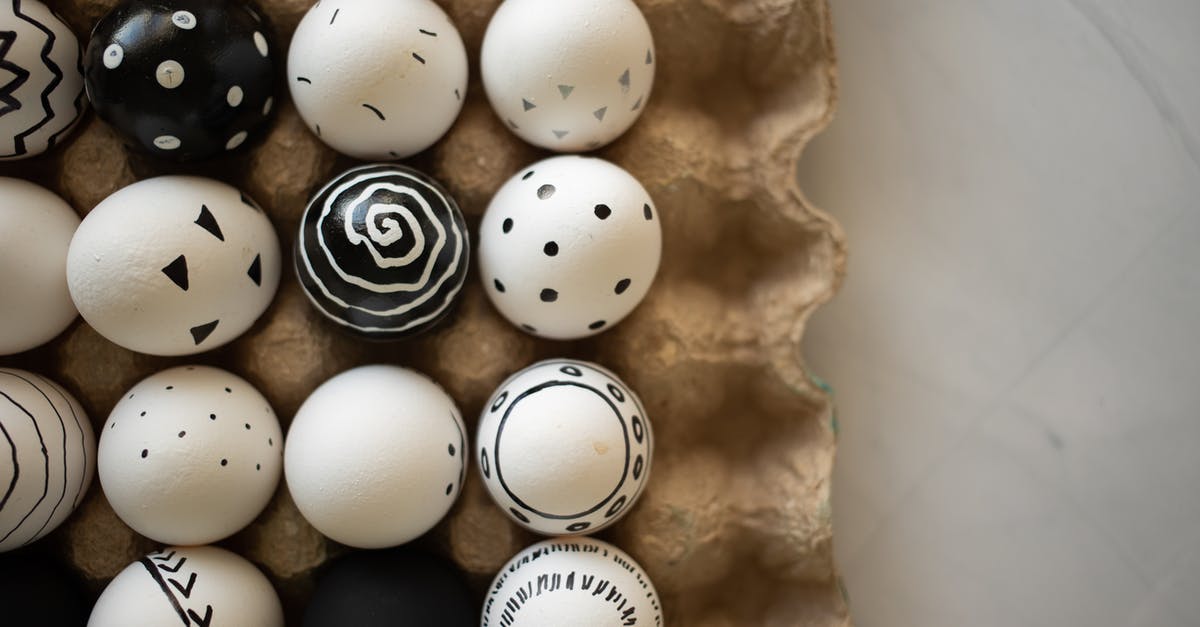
(190, 455)
(173, 265)
(377, 79)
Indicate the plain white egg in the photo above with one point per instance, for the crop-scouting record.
(36, 227)
(376, 456)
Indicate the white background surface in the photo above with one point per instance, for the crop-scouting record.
(1015, 350)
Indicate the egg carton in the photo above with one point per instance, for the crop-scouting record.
(735, 524)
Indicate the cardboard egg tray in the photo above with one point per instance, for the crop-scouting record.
(734, 526)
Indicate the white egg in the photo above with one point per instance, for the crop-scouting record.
(41, 80)
(376, 456)
(377, 79)
(568, 75)
(571, 581)
(51, 453)
(35, 230)
(173, 265)
(190, 455)
(564, 447)
(569, 246)
(196, 585)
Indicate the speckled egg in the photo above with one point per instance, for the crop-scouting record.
(376, 456)
(569, 246)
(190, 455)
(571, 581)
(36, 227)
(196, 585)
(173, 265)
(47, 456)
(568, 75)
(377, 79)
(41, 80)
(565, 447)
(383, 251)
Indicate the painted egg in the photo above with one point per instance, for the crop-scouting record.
(35, 230)
(190, 455)
(173, 265)
(376, 456)
(46, 457)
(373, 588)
(571, 581)
(41, 83)
(568, 75)
(182, 79)
(197, 585)
(377, 79)
(569, 246)
(34, 590)
(383, 251)
(564, 447)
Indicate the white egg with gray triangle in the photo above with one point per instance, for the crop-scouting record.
(173, 265)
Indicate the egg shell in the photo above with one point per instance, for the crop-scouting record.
(377, 79)
(182, 79)
(190, 455)
(47, 456)
(41, 83)
(36, 227)
(569, 246)
(568, 75)
(383, 251)
(173, 265)
(35, 590)
(565, 447)
(376, 456)
(198, 585)
(571, 581)
(373, 588)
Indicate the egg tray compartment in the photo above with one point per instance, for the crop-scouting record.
(735, 524)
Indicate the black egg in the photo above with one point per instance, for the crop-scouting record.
(36, 591)
(400, 586)
(183, 79)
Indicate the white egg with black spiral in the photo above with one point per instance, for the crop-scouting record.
(41, 80)
(564, 447)
(383, 251)
(47, 456)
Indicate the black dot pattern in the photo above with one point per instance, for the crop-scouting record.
(548, 295)
(507, 225)
(603, 211)
(622, 285)
(551, 249)
(545, 192)
(499, 285)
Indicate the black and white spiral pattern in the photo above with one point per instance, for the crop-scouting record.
(383, 251)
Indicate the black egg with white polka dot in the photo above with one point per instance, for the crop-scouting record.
(182, 79)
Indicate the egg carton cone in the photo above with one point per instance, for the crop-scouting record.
(735, 523)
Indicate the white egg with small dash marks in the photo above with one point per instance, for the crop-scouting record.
(188, 585)
(173, 265)
(190, 455)
(377, 79)
(568, 75)
(571, 581)
(376, 456)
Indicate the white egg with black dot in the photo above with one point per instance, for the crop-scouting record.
(376, 456)
(190, 455)
(377, 79)
(568, 75)
(569, 246)
(174, 265)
